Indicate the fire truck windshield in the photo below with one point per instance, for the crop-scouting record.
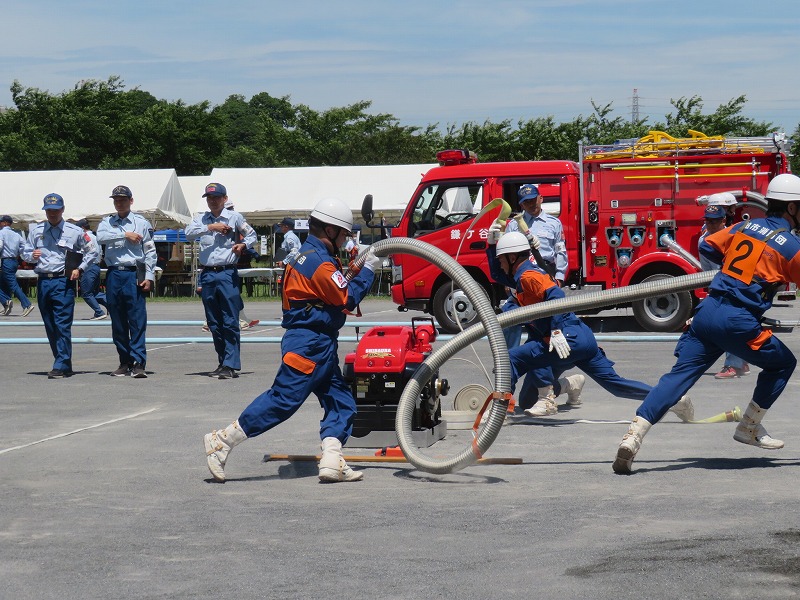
(444, 204)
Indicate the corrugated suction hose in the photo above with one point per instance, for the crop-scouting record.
(491, 325)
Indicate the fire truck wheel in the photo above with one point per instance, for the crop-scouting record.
(451, 307)
(663, 313)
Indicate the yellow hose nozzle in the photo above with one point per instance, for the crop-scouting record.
(726, 417)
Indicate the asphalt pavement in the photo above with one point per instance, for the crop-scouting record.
(104, 490)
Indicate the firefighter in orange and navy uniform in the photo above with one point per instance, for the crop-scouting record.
(316, 295)
(758, 258)
(555, 343)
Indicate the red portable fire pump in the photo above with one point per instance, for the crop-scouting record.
(378, 371)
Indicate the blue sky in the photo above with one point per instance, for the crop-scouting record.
(421, 61)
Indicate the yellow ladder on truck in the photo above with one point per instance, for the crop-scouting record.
(659, 144)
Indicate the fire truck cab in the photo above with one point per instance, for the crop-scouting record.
(630, 213)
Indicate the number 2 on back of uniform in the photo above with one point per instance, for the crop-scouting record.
(742, 257)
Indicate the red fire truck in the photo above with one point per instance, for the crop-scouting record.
(630, 213)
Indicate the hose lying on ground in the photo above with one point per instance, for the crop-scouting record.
(491, 325)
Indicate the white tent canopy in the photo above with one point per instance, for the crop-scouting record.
(157, 195)
(265, 196)
(193, 187)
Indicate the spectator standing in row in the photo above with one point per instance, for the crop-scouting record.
(11, 245)
(130, 262)
(90, 280)
(55, 246)
(218, 230)
(291, 243)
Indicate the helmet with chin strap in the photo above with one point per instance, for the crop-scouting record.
(332, 211)
(513, 242)
(784, 188)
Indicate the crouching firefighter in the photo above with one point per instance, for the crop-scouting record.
(316, 295)
(555, 343)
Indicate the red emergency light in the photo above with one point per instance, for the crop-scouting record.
(448, 158)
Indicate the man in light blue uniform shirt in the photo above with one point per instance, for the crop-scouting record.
(219, 231)
(130, 275)
(47, 246)
(291, 243)
(11, 245)
(90, 280)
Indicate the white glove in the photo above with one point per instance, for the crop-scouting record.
(371, 261)
(559, 343)
(495, 232)
(533, 240)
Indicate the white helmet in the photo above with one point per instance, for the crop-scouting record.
(513, 242)
(722, 199)
(334, 212)
(784, 188)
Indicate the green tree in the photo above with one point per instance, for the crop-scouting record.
(188, 138)
(794, 161)
(727, 119)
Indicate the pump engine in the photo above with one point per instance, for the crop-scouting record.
(378, 371)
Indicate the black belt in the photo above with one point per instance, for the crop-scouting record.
(221, 268)
(121, 268)
(9, 258)
(51, 275)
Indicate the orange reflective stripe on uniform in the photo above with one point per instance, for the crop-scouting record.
(762, 339)
(300, 363)
(534, 285)
(327, 284)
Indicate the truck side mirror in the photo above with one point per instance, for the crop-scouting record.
(366, 209)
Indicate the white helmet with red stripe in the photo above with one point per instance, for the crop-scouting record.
(332, 211)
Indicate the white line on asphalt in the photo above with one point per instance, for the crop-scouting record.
(61, 435)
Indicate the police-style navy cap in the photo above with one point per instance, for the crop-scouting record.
(528, 192)
(6, 219)
(714, 211)
(121, 190)
(83, 223)
(53, 202)
(215, 189)
(288, 221)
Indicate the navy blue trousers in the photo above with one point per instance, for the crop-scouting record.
(90, 289)
(222, 303)
(56, 300)
(309, 365)
(128, 311)
(544, 367)
(718, 327)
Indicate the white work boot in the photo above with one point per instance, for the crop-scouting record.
(751, 431)
(631, 442)
(219, 444)
(332, 466)
(572, 385)
(684, 409)
(545, 405)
